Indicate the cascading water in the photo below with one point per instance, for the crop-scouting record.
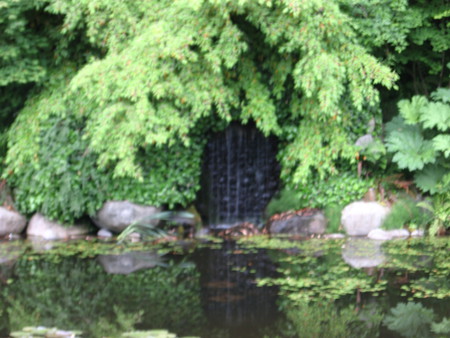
(240, 176)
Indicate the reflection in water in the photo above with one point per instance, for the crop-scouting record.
(230, 296)
(319, 294)
(363, 253)
(129, 262)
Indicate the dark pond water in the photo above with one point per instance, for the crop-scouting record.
(255, 287)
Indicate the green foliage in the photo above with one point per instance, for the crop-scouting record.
(333, 214)
(419, 140)
(341, 190)
(330, 194)
(285, 200)
(410, 320)
(54, 170)
(406, 212)
(158, 76)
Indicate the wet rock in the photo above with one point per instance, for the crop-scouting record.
(363, 253)
(298, 223)
(239, 230)
(359, 218)
(385, 235)
(104, 233)
(334, 236)
(129, 262)
(417, 233)
(115, 216)
(11, 222)
(40, 226)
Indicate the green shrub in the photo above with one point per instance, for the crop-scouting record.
(54, 171)
(333, 215)
(406, 212)
(336, 190)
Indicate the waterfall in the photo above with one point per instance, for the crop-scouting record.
(240, 175)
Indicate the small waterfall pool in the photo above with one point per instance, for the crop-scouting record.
(247, 287)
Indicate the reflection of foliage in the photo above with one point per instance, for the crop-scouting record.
(314, 269)
(427, 261)
(326, 320)
(410, 320)
(441, 328)
(76, 292)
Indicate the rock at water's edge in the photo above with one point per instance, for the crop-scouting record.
(294, 224)
(115, 216)
(11, 222)
(385, 235)
(40, 226)
(359, 218)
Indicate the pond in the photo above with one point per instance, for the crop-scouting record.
(248, 287)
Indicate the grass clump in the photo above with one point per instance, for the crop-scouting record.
(406, 213)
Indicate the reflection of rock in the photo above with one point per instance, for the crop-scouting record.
(117, 215)
(129, 262)
(11, 222)
(298, 224)
(40, 244)
(359, 218)
(384, 235)
(363, 253)
(40, 226)
(9, 252)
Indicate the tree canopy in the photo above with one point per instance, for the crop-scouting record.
(135, 86)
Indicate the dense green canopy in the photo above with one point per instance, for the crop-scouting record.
(135, 87)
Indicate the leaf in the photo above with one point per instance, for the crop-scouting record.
(436, 115)
(410, 110)
(411, 150)
(428, 179)
(442, 143)
(441, 94)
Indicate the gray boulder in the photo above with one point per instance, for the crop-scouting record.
(363, 253)
(129, 262)
(359, 218)
(11, 222)
(364, 141)
(40, 226)
(115, 216)
(294, 224)
(385, 235)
